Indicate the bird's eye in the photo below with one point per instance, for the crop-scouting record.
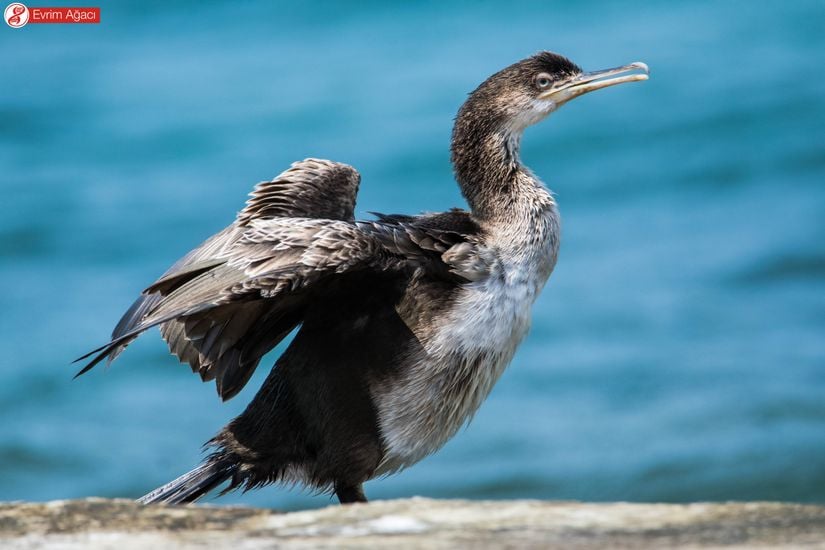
(543, 81)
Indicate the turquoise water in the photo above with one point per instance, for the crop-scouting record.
(677, 354)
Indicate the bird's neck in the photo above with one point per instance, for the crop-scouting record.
(485, 156)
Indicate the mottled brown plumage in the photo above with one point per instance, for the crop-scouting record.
(406, 322)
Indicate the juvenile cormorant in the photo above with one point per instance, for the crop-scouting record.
(406, 322)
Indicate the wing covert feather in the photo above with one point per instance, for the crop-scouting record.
(229, 301)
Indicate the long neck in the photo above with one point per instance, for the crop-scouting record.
(485, 156)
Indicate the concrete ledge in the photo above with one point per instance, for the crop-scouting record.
(413, 523)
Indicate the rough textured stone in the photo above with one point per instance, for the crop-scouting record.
(413, 523)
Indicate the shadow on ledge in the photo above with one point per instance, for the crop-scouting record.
(416, 522)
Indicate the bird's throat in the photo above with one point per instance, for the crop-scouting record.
(489, 171)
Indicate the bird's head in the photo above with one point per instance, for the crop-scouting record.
(526, 92)
(488, 127)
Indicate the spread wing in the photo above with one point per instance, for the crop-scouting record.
(309, 188)
(228, 302)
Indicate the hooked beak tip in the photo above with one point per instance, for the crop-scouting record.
(641, 66)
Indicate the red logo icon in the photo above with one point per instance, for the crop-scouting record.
(16, 15)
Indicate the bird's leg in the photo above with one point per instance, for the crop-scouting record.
(350, 494)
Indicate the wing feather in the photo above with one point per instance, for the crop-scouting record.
(228, 302)
(312, 188)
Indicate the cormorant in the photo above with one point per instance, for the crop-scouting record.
(406, 322)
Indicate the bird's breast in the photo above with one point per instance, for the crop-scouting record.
(462, 357)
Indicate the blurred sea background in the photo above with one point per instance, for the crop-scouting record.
(677, 353)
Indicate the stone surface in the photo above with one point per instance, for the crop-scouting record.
(413, 523)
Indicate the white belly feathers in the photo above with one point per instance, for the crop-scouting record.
(467, 352)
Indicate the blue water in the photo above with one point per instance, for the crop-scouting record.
(677, 354)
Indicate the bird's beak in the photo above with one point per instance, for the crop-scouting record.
(596, 80)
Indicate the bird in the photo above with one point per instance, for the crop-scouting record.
(404, 322)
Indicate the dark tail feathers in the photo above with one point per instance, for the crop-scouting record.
(192, 485)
